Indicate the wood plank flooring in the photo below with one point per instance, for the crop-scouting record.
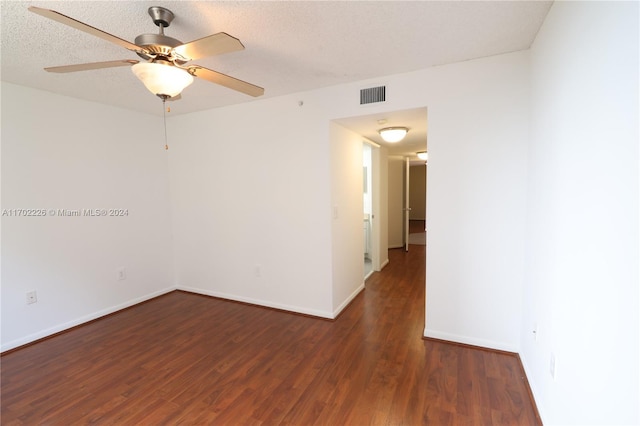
(189, 359)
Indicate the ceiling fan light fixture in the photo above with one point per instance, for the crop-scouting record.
(393, 134)
(162, 80)
(423, 155)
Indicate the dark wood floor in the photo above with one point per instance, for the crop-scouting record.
(189, 359)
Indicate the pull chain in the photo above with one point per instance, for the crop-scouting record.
(164, 119)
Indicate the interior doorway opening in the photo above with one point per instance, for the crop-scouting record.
(385, 184)
(417, 197)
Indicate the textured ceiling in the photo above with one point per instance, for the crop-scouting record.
(290, 46)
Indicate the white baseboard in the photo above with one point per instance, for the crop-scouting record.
(78, 321)
(344, 304)
(384, 263)
(489, 344)
(532, 386)
(258, 302)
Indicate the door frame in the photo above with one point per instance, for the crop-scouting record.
(406, 211)
(375, 204)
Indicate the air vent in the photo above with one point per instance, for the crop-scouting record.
(372, 95)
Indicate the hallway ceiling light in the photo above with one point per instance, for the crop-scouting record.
(393, 134)
(423, 155)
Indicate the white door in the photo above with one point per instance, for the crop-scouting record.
(407, 209)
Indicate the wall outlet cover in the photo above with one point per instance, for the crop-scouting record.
(122, 274)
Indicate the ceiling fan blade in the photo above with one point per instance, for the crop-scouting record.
(175, 98)
(63, 19)
(226, 81)
(92, 66)
(214, 44)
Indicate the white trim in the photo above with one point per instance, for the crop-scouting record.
(489, 344)
(258, 302)
(344, 304)
(79, 321)
(385, 263)
(534, 394)
(370, 142)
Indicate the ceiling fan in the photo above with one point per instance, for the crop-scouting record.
(165, 71)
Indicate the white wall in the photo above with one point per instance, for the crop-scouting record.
(275, 215)
(582, 258)
(347, 214)
(62, 153)
(478, 131)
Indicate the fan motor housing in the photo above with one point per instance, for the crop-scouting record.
(157, 45)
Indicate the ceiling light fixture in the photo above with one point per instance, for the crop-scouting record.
(423, 155)
(163, 80)
(393, 134)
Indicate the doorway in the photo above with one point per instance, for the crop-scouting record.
(388, 161)
(417, 203)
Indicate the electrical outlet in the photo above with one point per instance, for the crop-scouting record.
(552, 366)
(32, 297)
(122, 274)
